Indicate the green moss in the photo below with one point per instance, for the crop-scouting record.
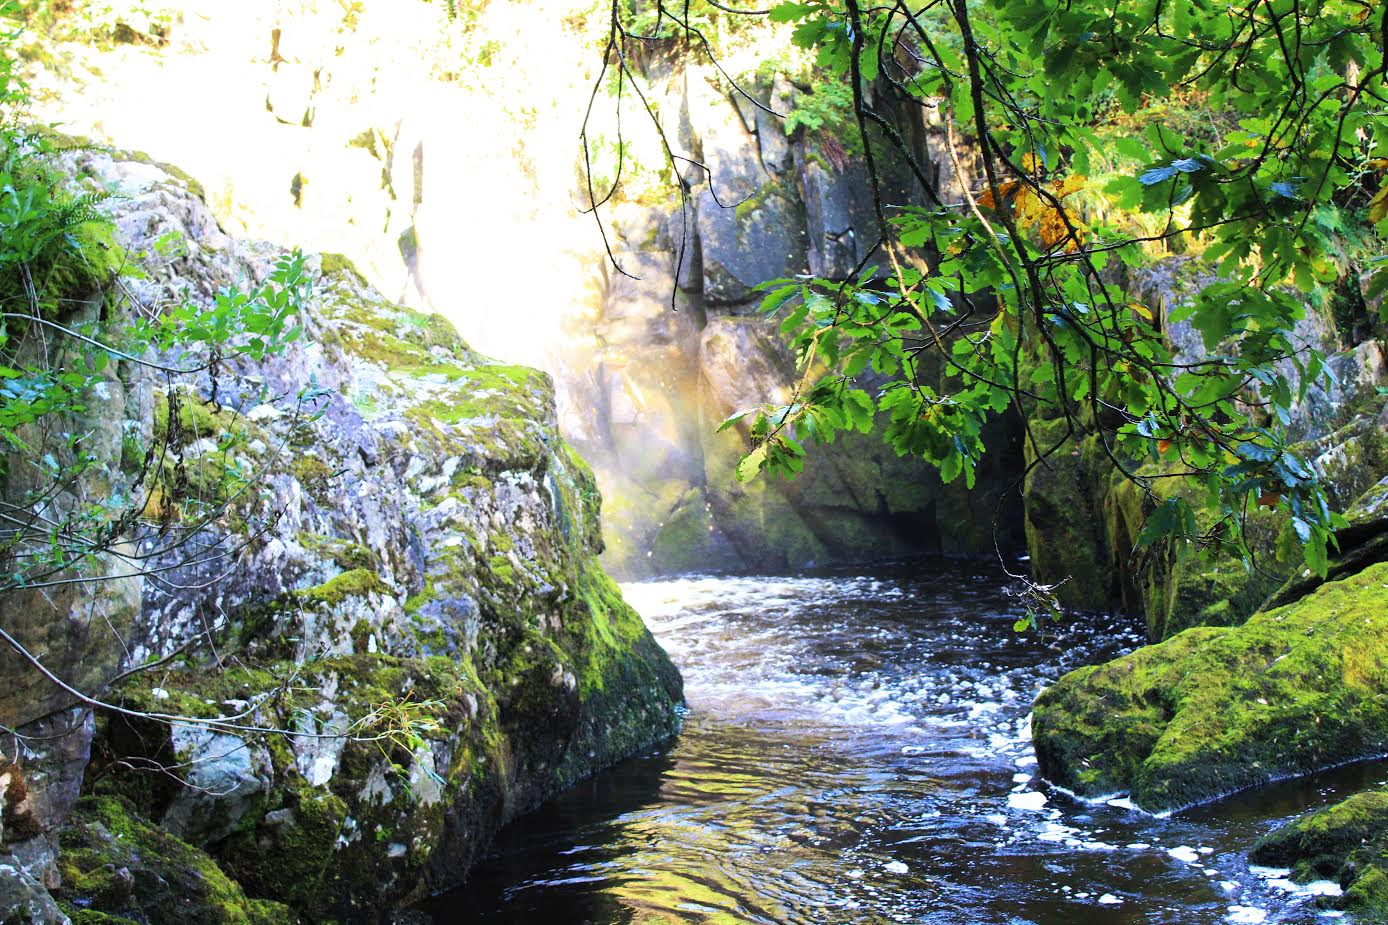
(173, 882)
(501, 570)
(358, 582)
(197, 419)
(339, 265)
(1319, 843)
(1367, 895)
(435, 331)
(79, 916)
(1213, 710)
(311, 471)
(1347, 842)
(346, 554)
(629, 691)
(386, 349)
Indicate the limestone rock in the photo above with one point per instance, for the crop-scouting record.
(414, 644)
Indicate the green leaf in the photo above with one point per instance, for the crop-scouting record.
(751, 464)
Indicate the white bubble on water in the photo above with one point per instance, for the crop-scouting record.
(1031, 800)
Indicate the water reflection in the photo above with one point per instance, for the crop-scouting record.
(856, 751)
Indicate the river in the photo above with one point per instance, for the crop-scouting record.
(856, 750)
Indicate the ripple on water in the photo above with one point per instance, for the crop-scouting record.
(857, 750)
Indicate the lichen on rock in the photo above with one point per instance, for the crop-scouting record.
(413, 644)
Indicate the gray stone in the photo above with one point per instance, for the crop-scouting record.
(223, 775)
(776, 154)
(749, 241)
(431, 507)
(23, 900)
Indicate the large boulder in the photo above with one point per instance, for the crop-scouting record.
(401, 638)
(1218, 709)
(1346, 842)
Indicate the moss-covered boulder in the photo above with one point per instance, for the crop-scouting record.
(404, 638)
(119, 868)
(1347, 842)
(1218, 709)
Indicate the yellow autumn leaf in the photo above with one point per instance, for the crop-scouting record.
(1140, 309)
(1072, 184)
(1030, 162)
(990, 197)
(1378, 206)
(1053, 229)
(1028, 206)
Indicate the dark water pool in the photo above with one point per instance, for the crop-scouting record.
(856, 751)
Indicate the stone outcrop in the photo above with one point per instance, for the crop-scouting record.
(342, 147)
(768, 206)
(407, 642)
(1346, 842)
(1340, 429)
(1214, 710)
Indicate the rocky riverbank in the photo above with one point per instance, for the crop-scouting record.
(414, 644)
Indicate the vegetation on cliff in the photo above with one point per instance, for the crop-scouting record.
(1071, 119)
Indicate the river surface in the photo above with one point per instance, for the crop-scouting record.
(856, 750)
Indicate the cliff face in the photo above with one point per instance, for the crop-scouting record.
(765, 206)
(1083, 518)
(403, 639)
(347, 147)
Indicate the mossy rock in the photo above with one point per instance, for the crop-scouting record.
(118, 867)
(1078, 528)
(1347, 842)
(1363, 542)
(1214, 710)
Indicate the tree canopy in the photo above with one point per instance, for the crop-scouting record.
(1097, 134)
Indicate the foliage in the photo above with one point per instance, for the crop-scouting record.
(146, 21)
(70, 339)
(1011, 290)
(828, 107)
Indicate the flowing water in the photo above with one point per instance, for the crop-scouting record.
(856, 751)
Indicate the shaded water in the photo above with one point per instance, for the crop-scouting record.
(856, 751)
